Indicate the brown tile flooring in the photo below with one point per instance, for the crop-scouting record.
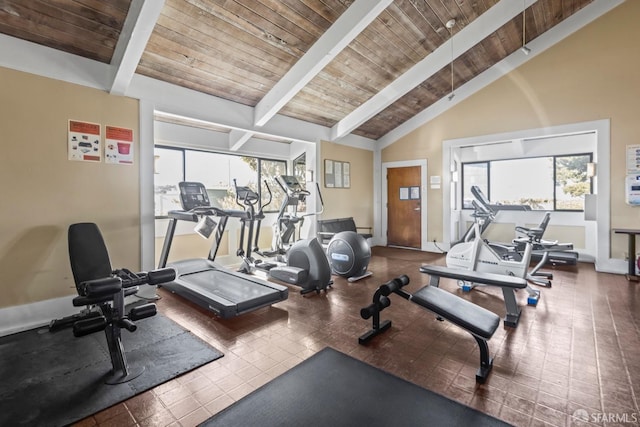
(578, 349)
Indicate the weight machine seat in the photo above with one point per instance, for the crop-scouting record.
(89, 259)
(88, 253)
(475, 319)
(98, 285)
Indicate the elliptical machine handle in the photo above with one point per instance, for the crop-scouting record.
(277, 179)
(270, 196)
(321, 201)
(235, 188)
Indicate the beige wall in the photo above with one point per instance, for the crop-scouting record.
(43, 192)
(356, 201)
(191, 246)
(591, 75)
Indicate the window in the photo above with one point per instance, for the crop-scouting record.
(522, 182)
(269, 170)
(217, 172)
(571, 181)
(474, 174)
(544, 183)
(300, 168)
(168, 171)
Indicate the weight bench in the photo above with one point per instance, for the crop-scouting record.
(479, 322)
(103, 290)
(508, 284)
(327, 228)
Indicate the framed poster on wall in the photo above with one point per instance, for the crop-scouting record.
(84, 141)
(337, 174)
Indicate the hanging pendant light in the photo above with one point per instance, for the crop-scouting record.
(524, 47)
(450, 24)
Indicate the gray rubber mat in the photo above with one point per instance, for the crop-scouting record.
(54, 379)
(333, 389)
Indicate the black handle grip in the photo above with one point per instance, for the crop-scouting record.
(127, 324)
(383, 303)
(88, 326)
(161, 276)
(368, 311)
(371, 309)
(100, 287)
(143, 311)
(393, 285)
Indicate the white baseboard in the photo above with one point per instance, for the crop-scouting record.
(29, 316)
(611, 265)
(437, 247)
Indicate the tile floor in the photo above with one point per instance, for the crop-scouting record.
(578, 350)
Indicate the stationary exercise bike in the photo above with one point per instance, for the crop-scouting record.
(478, 255)
(546, 251)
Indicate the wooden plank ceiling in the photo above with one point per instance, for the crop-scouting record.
(239, 49)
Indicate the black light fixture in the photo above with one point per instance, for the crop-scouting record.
(450, 24)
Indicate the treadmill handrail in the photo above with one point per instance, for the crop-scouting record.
(195, 214)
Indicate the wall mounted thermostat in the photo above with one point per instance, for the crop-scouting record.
(632, 190)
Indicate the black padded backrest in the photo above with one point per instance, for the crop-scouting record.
(337, 225)
(88, 253)
(545, 221)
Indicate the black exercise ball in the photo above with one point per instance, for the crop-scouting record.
(348, 254)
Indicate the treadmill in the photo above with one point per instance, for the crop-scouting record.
(202, 281)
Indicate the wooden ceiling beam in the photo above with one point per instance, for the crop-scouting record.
(347, 27)
(479, 29)
(237, 138)
(137, 28)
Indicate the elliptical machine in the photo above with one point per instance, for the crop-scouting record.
(288, 225)
(307, 266)
(248, 200)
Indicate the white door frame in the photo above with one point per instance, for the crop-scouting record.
(423, 198)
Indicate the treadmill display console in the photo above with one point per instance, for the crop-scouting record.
(193, 195)
(291, 182)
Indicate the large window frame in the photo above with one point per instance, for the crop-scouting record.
(258, 168)
(486, 177)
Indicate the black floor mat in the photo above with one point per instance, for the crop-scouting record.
(53, 379)
(333, 389)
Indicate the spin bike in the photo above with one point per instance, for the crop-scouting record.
(476, 254)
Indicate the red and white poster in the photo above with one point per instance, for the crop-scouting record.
(118, 147)
(84, 141)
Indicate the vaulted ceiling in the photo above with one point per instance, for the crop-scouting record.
(364, 67)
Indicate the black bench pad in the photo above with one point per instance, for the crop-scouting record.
(327, 228)
(474, 276)
(475, 319)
